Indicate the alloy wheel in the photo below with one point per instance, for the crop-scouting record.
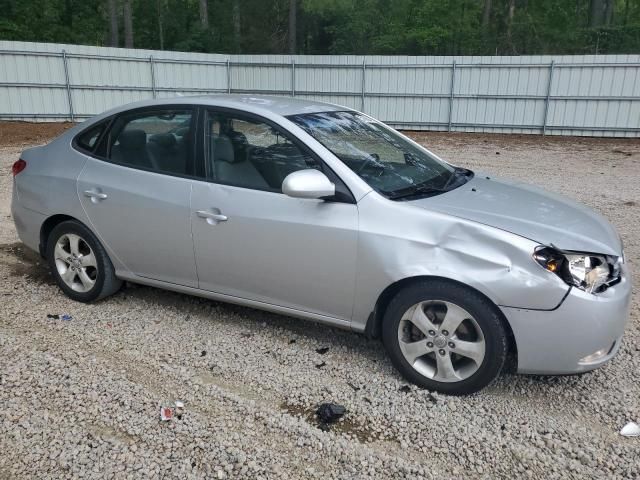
(441, 341)
(75, 262)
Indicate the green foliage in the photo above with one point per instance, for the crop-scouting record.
(409, 27)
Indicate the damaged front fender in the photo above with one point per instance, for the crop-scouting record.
(497, 263)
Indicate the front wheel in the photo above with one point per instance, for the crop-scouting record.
(79, 263)
(444, 336)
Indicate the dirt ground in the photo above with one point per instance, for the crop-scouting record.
(80, 398)
(26, 133)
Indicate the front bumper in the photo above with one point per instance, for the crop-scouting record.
(560, 341)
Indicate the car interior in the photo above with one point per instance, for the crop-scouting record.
(234, 160)
(164, 151)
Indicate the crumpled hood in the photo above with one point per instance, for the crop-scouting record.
(530, 212)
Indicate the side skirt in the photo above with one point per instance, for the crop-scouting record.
(245, 302)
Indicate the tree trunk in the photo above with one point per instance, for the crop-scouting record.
(113, 23)
(236, 25)
(293, 14)
(204, 14)
(596, 13)
(608, 12)
(601, 12)
(510, 14)
(68, 14)
(160, 11)
(128, 25)
(486, 13)
(626, 11)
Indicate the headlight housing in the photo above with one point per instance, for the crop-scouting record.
(590, 272)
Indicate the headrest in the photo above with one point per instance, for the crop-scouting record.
(164, 140)
(223, 150)
(132, 139)
(238, 138)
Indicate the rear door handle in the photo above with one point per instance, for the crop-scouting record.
(94, 195)
(215, 217)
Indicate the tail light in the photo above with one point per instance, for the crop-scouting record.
(18, 166)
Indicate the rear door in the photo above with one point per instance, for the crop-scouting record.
(252, 241)
(136, 192)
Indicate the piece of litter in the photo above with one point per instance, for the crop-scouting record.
(330, 412)
(631, 429)
(179, 409)
(166, 414)
(53, 316)
(321, 365)
(322, 350)
(203, 353)
(66, 317)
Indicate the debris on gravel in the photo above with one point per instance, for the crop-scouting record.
(631, 429)
(330, 412)
(251, 399)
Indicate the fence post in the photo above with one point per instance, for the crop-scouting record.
(364, 88)
(66, 79)
(228, 76)
(546, 100)
(293, 77)
(451, 93)
(153, 77)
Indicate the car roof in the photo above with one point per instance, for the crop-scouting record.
(260, 104)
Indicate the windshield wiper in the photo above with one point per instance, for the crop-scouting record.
(424, 189)
(413, 190)
(457, 172)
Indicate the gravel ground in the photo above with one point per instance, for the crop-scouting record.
(81, 398)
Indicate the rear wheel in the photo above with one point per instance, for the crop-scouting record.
(79, 263)
(445, 337)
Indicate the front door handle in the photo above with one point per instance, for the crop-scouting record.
(211, 216)
(95, 196)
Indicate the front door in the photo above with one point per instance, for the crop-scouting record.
(252, 241)
(137, 197)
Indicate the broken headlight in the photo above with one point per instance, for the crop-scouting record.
(587, 271)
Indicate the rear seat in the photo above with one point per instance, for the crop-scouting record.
(169, 154)
(132, 149)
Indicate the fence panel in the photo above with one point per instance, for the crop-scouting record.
(555, 95)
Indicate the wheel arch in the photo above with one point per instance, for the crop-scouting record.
(47, 227)
(374, 322)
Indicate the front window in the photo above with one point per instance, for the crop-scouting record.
(245, 152)
(382, 157)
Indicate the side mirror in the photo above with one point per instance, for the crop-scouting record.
(308, 184)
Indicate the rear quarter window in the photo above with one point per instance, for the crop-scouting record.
(88, 139)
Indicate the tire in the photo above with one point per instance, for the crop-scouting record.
(477, 348)
(88, 277)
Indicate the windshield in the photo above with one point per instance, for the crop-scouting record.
(382, 157)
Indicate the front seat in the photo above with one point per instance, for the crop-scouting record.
(234, 170)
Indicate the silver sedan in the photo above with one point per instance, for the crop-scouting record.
(323, 213)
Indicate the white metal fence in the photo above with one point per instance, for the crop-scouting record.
(564, 95)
